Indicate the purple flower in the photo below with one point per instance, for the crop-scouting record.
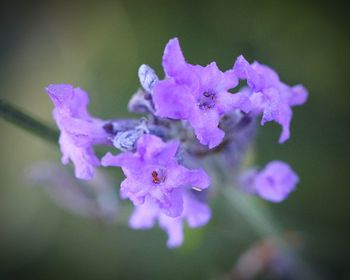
(273, 183)
(197, 94)
(269, 95)
(79, 131)
(196, 213)
(153, 171)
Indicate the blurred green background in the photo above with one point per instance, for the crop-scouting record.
(99, 46)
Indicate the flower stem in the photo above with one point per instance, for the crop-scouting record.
(258, 216)
(21, 119)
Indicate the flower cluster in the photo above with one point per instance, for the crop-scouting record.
(191, 120)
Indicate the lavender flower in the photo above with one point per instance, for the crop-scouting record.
(196, 213)
(273, 183)
(154, 171)
(79, 130)
(191, 119)
(269, 95)
(197, 94)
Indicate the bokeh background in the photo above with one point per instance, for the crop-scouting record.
(99, 46)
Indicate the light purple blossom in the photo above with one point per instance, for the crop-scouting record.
(269, 95)
(196, 213)
(273, 183)
(78, 130)
(197, 94)
(153, 171)
(191, 120)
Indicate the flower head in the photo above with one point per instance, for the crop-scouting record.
(268, 95)
(197, 94)
(153, 171)
(273, 183)
(78, 130)
(196, 213)
(191, 120)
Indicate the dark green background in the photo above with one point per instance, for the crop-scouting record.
(99, 46)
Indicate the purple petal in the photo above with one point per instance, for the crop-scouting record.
(84, 132)
(210, 76)
(257, 101)
(134, 190)
(205, 124)
(79, 104)
(275, 181)
(181, 176)
(213, 79)
(271, 106)
(173, 100)
(171, 203)
(174, 229)
(244, 70)
(299, 95)
(83, 158)
(60, 94)
(173, 59)
(228, 81)
(196, 212)
(269, 75)
(227, 102)
(126, 160)
(284, 120)
(69, 100)
(151, 148)
(144, 216)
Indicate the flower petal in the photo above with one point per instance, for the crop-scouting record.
(227, 102)
(269, 75)
(144, 216)
(126, 160)
(184, 177)
(205, 124)
(244, 70)
(151, 148)
(83, 158)
(174, 229)
(173, 59)
(298, 95)
(171, 203)
(197, 213)
(173, 100)
(275, 181)
(285, 117)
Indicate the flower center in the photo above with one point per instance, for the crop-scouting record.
(158, 176)
(207, 100)
(270, 180)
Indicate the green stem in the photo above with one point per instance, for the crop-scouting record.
(255, 215)
(258, 216)
(21, 119)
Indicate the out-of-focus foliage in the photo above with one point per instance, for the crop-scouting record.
(99, 46)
